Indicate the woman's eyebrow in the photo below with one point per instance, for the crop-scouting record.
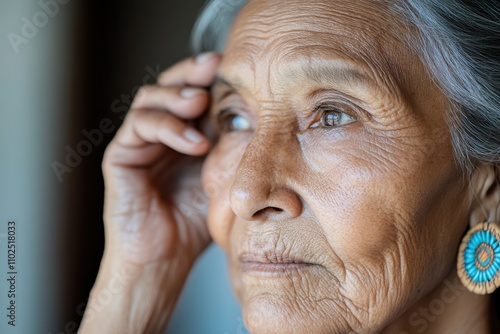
(336, 73)
(344, 76)
(319, 73)
(222, 81)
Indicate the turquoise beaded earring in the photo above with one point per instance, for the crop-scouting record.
(478, 265)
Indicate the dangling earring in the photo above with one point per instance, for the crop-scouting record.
(478, 265)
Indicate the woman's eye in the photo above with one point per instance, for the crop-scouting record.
(334, 117)
(233, 122)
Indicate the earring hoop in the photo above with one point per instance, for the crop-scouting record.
(478, 264)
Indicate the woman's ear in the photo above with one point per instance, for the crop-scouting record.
(485, 201)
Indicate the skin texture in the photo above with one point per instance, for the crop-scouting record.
(350, 228)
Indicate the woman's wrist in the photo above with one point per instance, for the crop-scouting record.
(134, 298)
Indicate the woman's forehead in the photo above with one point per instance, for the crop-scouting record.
(362, 33)
(270, 21)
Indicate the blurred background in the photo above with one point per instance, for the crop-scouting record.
(68, 72)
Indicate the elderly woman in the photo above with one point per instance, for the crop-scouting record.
(346, 158)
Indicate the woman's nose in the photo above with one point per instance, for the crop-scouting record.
(262, 187)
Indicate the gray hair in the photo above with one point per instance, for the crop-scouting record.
(458, 41)
(212, 28)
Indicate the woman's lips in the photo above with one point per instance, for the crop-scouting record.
(272, 264)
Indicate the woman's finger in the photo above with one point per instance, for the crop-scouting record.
(184, 102)
(194, 71)
(145, 126)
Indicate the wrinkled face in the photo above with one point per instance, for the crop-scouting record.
(333, 186)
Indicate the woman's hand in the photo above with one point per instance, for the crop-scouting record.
(155, 213)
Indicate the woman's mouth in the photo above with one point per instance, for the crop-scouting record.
(272, 264)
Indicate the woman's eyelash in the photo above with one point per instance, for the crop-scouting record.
(222, 113)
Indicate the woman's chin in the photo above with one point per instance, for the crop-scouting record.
(268, 313)
(284, 312)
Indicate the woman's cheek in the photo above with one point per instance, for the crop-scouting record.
(217, 177)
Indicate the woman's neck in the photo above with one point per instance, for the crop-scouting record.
(448, 309)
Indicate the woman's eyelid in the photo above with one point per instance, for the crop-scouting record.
(220, 92)
(224, 111)
(226, 102)
(335, 107)
(345, 103)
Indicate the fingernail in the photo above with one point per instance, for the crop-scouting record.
(190, 92)
(193, 136)
(204, 57)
